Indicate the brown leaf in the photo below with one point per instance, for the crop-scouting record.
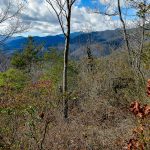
(146, 110)
(134, 144)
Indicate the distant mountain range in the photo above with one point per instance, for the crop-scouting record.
(97, 40)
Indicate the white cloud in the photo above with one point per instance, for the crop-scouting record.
(111, 5)
(45, 23)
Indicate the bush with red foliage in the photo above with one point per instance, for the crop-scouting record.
(139, 142)
(134, 144)
(148, 87)
(138, 110)
(142, 112)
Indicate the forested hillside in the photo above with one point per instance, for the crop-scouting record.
(76, 90)
(104, 39)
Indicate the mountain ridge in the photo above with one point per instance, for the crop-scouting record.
(78, 40)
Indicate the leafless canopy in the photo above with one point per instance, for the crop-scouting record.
(61, 8)
(10, 19)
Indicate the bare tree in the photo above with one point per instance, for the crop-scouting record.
(63, 9)
(4, 62)
(143, 13)
(88, 48)
(10, 19)
(137, 36)
(124, 31)
(116, 11)
(10, 24)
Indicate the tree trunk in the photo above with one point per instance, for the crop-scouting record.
(65, 80)
(140, 53)
(125, 34)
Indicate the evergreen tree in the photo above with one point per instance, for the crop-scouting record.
(29, 56)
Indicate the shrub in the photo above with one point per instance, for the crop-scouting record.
(13, 79)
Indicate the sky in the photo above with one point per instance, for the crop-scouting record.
(43, 21)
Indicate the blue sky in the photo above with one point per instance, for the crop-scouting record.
(86, 3)
(44, 22)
